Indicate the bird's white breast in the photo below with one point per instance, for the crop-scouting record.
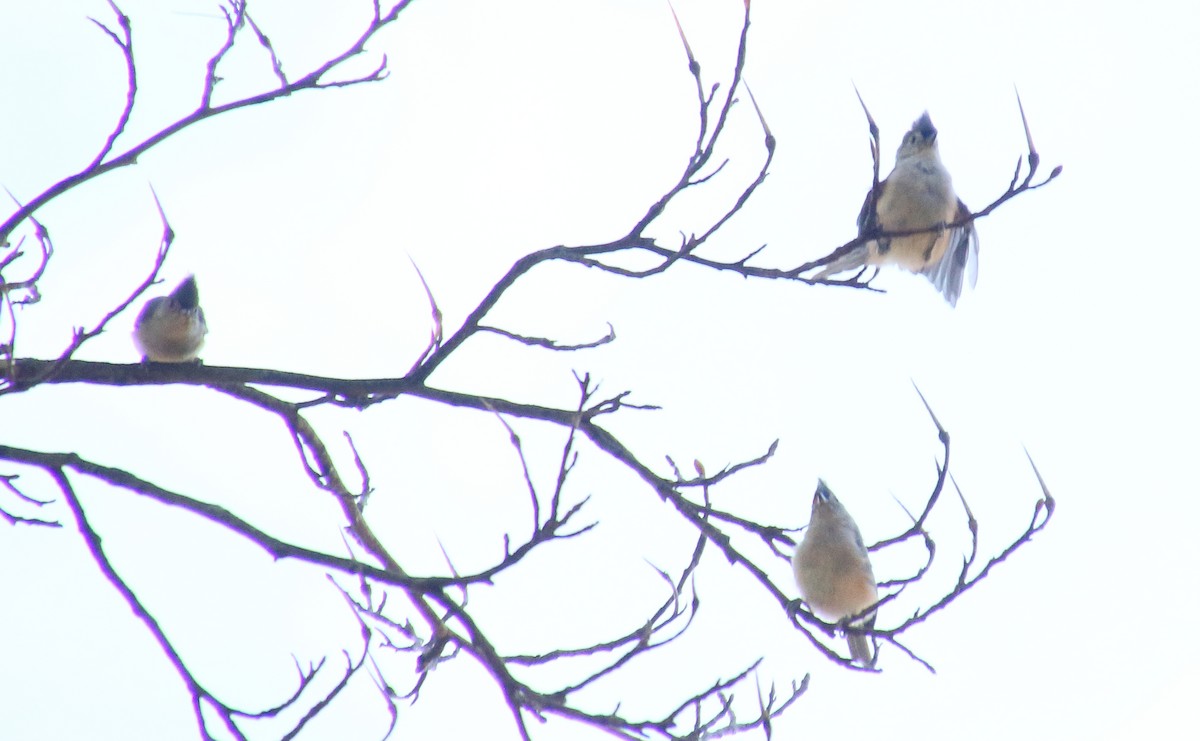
(918, 195)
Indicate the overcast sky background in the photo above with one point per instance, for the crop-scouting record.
(509, 127)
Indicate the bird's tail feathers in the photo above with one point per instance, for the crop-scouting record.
(860, 644)
(852, 260)
(860, 649)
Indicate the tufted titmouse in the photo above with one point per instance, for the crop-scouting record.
(171, 328)
(833, 570)
(917, 195)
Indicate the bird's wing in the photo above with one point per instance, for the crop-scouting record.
(867, 218)
(961, 258)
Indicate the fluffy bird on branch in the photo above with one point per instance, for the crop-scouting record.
(916, 197)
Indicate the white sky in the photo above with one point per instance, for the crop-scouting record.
(508, 127)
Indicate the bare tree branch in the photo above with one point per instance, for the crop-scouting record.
(409, 623)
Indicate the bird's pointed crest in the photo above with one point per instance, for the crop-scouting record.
(187, 294)
(924, 124)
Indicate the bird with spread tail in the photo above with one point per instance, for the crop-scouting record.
(171, 329)
(834, 572)
(917, 195)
